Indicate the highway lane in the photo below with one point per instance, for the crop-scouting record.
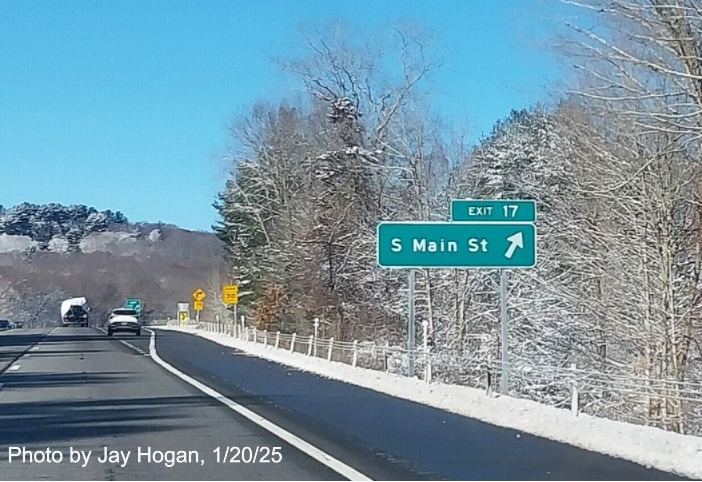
(361, 426)
(14, 343)
(77, 388)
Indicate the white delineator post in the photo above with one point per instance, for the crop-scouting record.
(309, 345)
(316, 332)
(331, 347)
(354, 361)
(292, 343)
(277, 339)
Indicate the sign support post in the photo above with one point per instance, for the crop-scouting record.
(504, 378)
(235, 312)
(410, 323)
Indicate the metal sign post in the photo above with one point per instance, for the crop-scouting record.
(410, 323)
(504, 378)
(235, 312)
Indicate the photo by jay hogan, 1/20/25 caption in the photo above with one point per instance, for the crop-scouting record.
(146, 455)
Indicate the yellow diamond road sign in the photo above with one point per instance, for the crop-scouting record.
(230, 294)
(197, 305)
(199, 294)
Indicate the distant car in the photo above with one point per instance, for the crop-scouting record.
(5, 325)
(123, 312)
(120, 323)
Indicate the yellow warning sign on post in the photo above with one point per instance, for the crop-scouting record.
(230, 294)
(199, 294)
(198, 305)
(183, 315)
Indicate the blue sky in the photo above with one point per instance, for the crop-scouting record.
(124, 105)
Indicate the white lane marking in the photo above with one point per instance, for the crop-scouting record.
(335, 464)
(14, 367)
(127, 344)
(35, 348)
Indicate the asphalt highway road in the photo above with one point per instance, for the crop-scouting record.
(361, 426)
(75, 387)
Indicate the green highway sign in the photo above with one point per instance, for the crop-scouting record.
(456, 245)
(134, 304)
(493, 210)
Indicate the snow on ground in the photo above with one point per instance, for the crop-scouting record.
(10, 243)
(648, 446)
(58, 245)
(118, 243)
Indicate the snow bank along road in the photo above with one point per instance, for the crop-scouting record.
(361, 426)
(648, 446)
(76, 390)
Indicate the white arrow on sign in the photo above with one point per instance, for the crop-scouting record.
(515, 241)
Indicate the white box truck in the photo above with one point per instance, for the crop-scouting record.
(75, 311)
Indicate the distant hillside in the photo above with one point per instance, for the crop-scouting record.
(65, 225)
(50, 252)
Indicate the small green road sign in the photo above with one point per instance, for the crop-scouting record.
(493, 210)
(456, 245)
(134, 304)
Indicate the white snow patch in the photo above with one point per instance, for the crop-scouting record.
(58, 245)
(648, 446)
(111, 242)
(155, 236)
(10, 243)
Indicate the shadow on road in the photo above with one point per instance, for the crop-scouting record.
(16, 339)
(49, 379)
(48, 422)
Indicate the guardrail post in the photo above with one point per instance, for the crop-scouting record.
(331, 347)
(255, 335)
(354, 361)
(277, 339)
(488, 377)
(309, 346)
(386, 348)
(574, 401)
(265, 338)
(292, 343)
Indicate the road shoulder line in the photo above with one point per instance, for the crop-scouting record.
(305, 447)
